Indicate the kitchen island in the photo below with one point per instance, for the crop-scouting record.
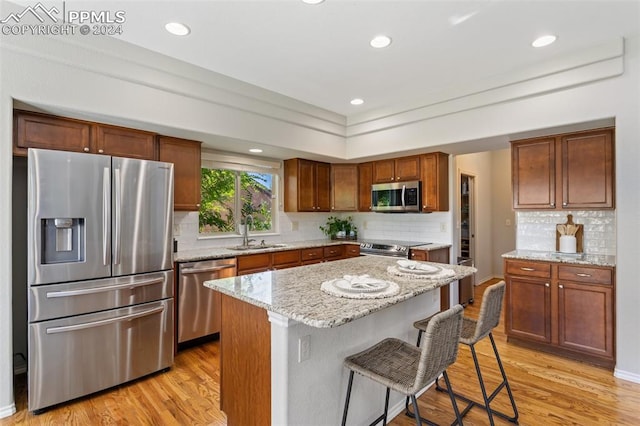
(283, 340)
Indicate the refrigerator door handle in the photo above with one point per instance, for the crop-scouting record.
(117, 207)
(92, 324)
(106, 202)
(71, 293)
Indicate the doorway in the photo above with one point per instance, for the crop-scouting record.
(467, 216)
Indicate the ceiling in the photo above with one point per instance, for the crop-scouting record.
(320, 54)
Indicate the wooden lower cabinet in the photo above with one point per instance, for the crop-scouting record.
(560, 308)
(439, 256)
(261, 262)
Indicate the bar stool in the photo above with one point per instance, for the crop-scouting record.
(407, 369)
(472, 332)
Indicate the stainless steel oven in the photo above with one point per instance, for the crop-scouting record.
(388, 248)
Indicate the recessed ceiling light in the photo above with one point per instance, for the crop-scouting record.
(312, 1)
(357, 101)
(545, 40)
(256, 150)
(176, 28)
(380, 41)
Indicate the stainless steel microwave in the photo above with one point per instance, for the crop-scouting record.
(396, 197)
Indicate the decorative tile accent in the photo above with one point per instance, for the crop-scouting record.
(536, 230)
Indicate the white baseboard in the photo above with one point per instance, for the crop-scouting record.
(7, 411)
(625, 375)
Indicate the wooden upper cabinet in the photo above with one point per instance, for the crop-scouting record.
(307, 186)
(533, 173)
(365, 180)
(434, 168)
(185, 156)
(123, 142)
(568, 171)
(587, 170)
(344, 187)
(396, 169)
(33, 130)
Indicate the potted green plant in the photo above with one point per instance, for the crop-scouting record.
(338, 228)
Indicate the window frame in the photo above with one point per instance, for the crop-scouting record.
(218, 161)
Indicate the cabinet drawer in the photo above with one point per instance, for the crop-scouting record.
(530, 269)
(333, 251)
(311, 254)
(585, 274)
(254, 261)
(352, 250)
(288, 258)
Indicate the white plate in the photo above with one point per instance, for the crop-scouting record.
(366, 287)
(420, 271)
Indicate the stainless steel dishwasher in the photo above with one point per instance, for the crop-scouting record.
(199, 306)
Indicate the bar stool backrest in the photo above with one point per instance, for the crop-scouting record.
(490, 310)
(440, 346)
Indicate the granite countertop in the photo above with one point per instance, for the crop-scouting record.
(552, 256)
(295, 293)
(222, 252)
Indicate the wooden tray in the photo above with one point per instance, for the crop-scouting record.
(579, 234)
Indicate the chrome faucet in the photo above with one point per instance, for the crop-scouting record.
(245, 233)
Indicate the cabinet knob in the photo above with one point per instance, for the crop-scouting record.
(564, 204)
(198, 205)
(101, 151)
(85, 149)
(553, 204)
(560, 286)
(391, 178)
(398, 178)
(546, 284)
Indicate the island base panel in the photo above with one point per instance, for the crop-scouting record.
(245, 363)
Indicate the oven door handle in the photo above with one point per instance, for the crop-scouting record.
(82, 292)
(100, 323)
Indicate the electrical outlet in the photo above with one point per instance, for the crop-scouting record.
(364, 225)
(294, 225)
(176, 230)
(507, 222)
(304, 348)
(443, 227)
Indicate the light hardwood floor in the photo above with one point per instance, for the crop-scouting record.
(549, 390)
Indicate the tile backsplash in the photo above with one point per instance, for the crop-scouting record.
(536, 230)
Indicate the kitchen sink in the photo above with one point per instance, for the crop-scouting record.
(256, 247)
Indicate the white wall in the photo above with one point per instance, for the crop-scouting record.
(137, 86)
(503, 224)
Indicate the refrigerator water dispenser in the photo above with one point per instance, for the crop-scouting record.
(63, 240)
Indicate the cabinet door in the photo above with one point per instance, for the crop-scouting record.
(384, 171)
(587, 170)
(365, 180)
(528, 313)
(407, 168)
(311, 255)
(46, 132)
(333, 252)
(185, 156)
(418, 254)
(344, 187)
(323, 187)
(533, 171)
(306, 186)
(434, 174)
(122, 142)
(585, 318)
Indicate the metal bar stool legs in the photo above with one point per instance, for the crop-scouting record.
(406, 369)
(417, 416)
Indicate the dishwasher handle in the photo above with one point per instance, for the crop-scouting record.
(187, 271)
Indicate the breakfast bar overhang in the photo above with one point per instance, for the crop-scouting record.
(283, 340)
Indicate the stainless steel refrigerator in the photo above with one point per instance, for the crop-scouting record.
(99, 271)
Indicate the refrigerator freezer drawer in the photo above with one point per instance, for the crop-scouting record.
(82, 297)
(73, 357)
